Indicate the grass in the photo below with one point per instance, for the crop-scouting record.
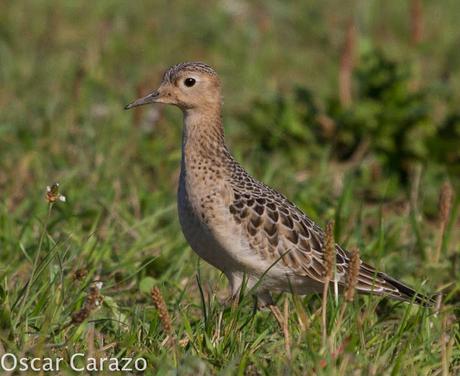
(66, 73)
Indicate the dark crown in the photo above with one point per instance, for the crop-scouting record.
(192, 66)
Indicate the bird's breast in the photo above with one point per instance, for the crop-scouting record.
(203, 206)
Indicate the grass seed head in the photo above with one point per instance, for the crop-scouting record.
(445, 201)
(80, 274)
(92, 301)
(81, 315)
(353, 273)
(160, 305)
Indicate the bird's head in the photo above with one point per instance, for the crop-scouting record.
(189, 86)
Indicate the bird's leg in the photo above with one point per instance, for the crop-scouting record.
(234, 295)
(264, 300)
(278, 315)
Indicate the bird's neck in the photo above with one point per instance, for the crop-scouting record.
(203, 135)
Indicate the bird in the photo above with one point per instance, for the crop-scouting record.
(249, 231)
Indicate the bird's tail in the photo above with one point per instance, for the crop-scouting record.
(407, 293)
(378, 283)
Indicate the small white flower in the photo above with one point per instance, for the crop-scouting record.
(53, 195)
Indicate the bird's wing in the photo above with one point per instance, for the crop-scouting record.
(278, 230)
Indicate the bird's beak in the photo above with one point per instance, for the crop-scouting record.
(149, 98)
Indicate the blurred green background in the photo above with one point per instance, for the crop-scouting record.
(350, 108)
(67, 69)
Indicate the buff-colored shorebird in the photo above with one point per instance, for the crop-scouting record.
(239, 225)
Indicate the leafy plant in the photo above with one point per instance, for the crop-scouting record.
(284, 123)
(393, 119)
(388, 119)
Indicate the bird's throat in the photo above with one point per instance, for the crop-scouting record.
(203, 134)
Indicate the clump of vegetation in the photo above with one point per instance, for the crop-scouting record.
(393, 120)
(283, 123)
(388, 119)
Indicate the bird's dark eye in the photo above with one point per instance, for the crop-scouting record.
(189, 82)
